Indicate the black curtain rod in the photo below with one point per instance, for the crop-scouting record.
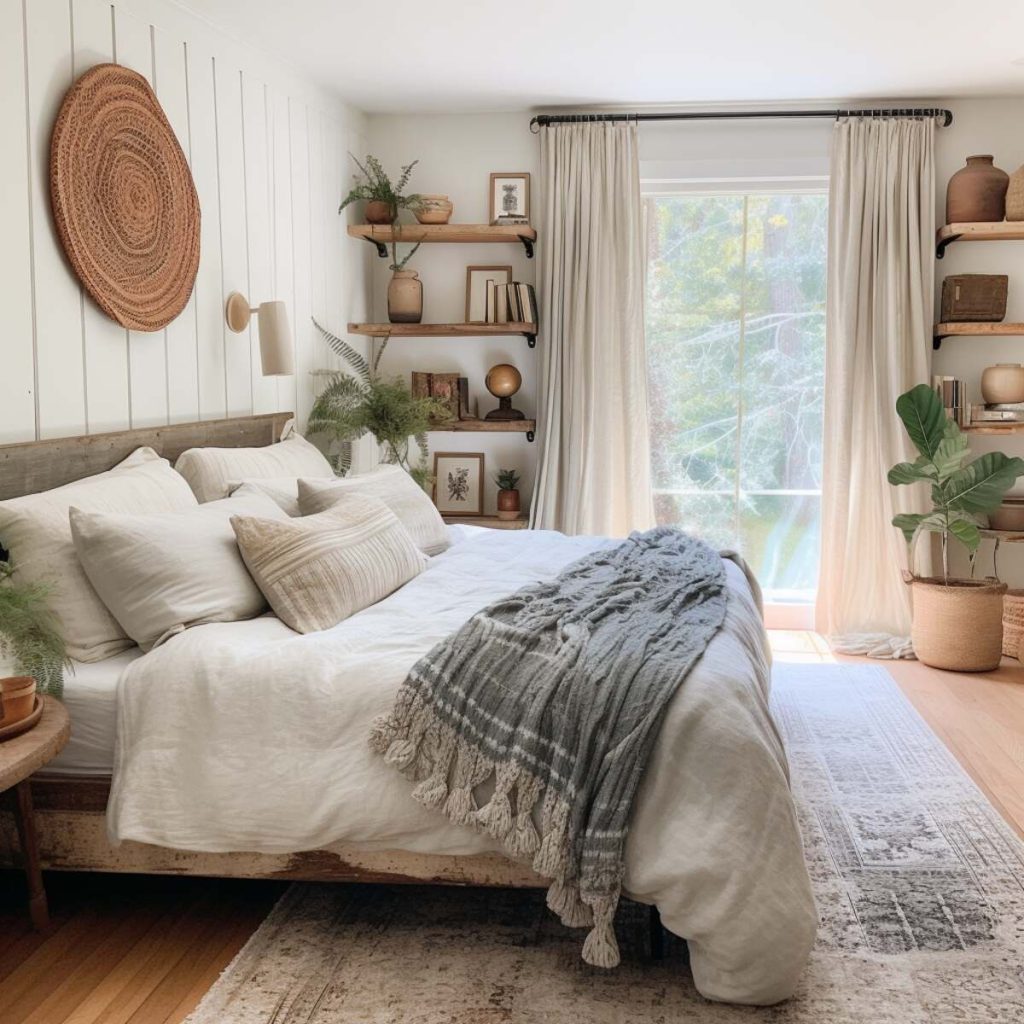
(543, 120)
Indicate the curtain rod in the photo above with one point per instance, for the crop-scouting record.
(543, 120)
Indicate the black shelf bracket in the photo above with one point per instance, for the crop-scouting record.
(531, 340)
(527, 245)
(382, 249)
(529, 436)
(940, 248)
(937, 341)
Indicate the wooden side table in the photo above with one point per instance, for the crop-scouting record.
(19, 758)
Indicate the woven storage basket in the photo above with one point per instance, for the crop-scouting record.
(958, 626)
(1013, 622)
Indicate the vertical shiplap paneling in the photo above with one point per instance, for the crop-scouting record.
(209, 303)
(258, 217)
(332, 264)
(182, 359)
(234, 247)
(302, 328)
(17, 378)
(58, 308)
(147, 350)
(282, 204)
(106, 343)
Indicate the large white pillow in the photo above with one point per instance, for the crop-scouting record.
(160, 574)
(36, 532)
(283, 489)
(211, 471)
(392, 485)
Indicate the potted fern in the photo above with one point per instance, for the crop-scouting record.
(364, 402)
(957, 623)
(508, 493)
(32, 655)
(383, 198)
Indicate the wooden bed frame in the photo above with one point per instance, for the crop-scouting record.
(71, 810)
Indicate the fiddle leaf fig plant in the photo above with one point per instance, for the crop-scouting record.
(961, 491)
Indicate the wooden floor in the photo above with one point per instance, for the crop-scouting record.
(129, 950)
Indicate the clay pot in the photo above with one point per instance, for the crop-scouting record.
(958, 626)
(508, 504)
(1015, 196)
(17, 697)
(405, 298)
(977, 192)
(379, 212)
(434, 209)
(1003, 384)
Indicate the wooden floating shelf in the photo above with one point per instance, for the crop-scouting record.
(991, 231)
(1001, 330)
(381, 234)
(527, 427)
(527, 330)
(994, 428)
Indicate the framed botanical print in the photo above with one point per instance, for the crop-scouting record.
(459, 483)
(476, 290)
(510, 197)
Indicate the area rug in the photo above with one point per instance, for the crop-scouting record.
(919, 884)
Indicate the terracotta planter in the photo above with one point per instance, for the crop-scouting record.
(405, 298)
(977, 192)
(958, 626)
(1003, 383)
(379, 212)
(508, 504)
(17, 697)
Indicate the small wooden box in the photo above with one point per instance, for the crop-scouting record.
(974, 298)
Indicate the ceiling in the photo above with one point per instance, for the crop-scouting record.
(461, 55)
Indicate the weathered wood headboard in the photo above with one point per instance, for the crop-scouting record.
(39, 465)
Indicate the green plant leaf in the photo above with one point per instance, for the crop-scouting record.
(950, 454)
(966, 531)
(912, 472)
(922, 414)
(346, 351)
(981, 485)
(909, 523)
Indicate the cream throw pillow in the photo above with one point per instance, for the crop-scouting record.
(160, 574)
(392, 485)
(318, 570)
(210, 471)
(283, 489)
(36, 531)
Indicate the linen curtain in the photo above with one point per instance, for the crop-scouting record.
(594, 471)
(880, 286)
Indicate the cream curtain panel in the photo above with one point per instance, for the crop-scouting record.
(881, 256)
(594, 472)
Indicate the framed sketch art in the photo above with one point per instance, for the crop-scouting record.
(510, 197)
(476, 290)
(459, 483)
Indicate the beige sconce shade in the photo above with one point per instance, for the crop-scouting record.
(276, 353)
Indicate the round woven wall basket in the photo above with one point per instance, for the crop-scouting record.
(123, 198)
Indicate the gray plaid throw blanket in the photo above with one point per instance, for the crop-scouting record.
(555, 694)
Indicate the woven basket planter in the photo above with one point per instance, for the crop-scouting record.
(1013, 622)
(959, 625)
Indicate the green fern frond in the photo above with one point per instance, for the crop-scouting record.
(343, 349)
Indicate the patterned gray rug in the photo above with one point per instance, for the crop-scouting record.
(919, 882)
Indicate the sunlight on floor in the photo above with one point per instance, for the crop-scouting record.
(798, 645)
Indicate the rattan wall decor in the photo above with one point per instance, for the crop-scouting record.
(123, 198)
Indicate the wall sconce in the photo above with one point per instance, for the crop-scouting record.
(276, 351)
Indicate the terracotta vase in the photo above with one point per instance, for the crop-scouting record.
(508, 504)
(17, 698)
(405, 298)
(379, 212)
(976, 192)
(1003, 384)
(1015, 196)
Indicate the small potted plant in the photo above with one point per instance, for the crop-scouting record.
(32, 655)
(508, 493)
(957, 623)
(383, 199)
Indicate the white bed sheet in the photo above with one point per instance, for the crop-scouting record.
(90, 696)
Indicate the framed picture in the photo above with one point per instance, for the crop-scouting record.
(459, 483)
(510, 198)
(476, 290)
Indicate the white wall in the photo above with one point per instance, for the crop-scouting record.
(267, 153)
(457, 153)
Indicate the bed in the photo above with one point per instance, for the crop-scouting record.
(243, 751)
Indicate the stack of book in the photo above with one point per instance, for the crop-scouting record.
(1003, 413)
(511, 303)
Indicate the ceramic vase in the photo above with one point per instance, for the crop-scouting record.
(508, 504)
(434, 209)
(1003, 384)
(379, 212)
(405, 298)
(977, 192)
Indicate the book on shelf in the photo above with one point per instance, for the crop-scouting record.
(515, 302)
(449, 388)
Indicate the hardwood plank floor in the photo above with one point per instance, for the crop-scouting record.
(134, 950)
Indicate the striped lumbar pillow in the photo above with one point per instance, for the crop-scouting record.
(320, 569)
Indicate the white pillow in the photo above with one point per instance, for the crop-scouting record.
(36, 532)
(159, 574)
(284, 490)
(210, 471)
(392, 485)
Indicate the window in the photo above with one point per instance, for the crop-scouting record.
(736, 359)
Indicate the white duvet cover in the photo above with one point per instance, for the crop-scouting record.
(245, 736)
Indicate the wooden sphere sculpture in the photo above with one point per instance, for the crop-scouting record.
(503, 381)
